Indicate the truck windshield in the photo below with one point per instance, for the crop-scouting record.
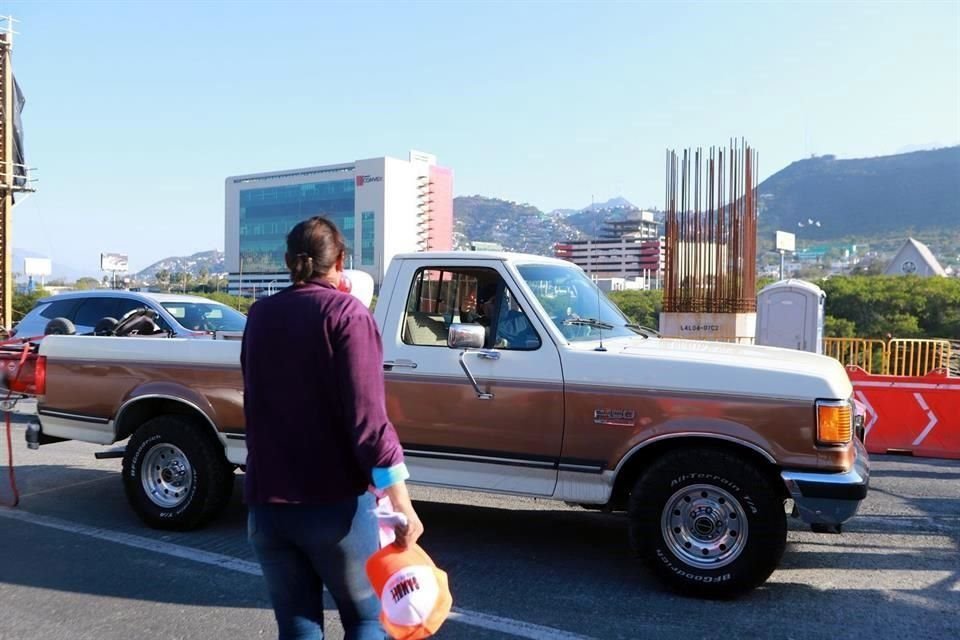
(206, 316)
(574, 303)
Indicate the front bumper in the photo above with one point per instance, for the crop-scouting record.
(830, 498)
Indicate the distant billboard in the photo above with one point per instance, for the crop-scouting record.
(786, 241)
(113, 262)
(37, 266)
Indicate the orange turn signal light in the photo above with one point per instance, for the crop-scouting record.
(834, 422)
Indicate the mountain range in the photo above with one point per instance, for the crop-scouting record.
(211, 262)
(900, 195)
(882, 200)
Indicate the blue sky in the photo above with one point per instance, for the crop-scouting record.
(136, 112)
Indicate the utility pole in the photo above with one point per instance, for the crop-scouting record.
(13, 176)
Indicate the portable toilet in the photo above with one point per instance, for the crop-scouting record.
(790, 315)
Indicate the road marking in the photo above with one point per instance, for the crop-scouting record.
(517, 628)
(138, 542)
(866, 579)
(66, 486)
(930, 425)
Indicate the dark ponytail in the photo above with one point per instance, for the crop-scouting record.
(313, 248)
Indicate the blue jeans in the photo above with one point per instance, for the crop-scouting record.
(303, 548)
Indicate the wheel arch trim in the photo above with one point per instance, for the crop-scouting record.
(691, 434)
(118, 420)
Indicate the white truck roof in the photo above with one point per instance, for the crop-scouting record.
(501, 256)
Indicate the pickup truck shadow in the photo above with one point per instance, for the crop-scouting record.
(538, 563)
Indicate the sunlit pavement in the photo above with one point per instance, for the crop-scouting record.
(76, 563)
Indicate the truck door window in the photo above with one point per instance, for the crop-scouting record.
(440, 297)
(514, 329)
(428, 312)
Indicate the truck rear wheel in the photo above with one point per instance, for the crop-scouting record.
(175, 474)
(708, 523)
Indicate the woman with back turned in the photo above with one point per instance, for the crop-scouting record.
(317, 437)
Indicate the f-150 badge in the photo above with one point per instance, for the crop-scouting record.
(615, 417)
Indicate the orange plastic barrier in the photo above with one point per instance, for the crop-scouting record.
(919, 414)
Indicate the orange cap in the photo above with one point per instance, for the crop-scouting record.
(414, 594)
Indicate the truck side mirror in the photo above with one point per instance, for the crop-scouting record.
(466, 336)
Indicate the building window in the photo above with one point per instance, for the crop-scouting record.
(267, 214)
(368, 244)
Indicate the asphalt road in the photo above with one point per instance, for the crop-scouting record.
(75, 563)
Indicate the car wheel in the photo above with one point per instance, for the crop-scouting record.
(59, 327)
(175, 474)
(708, 523)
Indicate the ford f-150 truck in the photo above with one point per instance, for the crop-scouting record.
(512, 374)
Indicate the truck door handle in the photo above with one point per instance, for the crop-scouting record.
(483, 354)
(390, 365)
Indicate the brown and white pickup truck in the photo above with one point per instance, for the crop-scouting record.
(512, 374)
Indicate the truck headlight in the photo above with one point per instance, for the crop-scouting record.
(834, 422)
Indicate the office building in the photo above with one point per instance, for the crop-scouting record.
(384, 206)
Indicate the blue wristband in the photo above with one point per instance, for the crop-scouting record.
(384, 477)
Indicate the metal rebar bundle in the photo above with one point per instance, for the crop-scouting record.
(711, 230)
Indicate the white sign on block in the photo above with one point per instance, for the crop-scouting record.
(786, 241)
(37, 266)
(113, 262)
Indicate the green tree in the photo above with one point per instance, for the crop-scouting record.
(23, 302)
(839, 327)
(181, 280)
(162, 277)
(642, 307)
(86, 283)
(236, 302)
(901, 306)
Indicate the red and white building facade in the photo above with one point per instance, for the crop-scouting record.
(630, 250)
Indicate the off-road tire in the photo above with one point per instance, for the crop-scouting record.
(681, 507)
(60, 327)
(105, 326)
(207, 477)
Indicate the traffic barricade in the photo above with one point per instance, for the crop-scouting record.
(919, 415)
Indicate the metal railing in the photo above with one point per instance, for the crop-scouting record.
(896, 357)
(916, 357)
(868, 354)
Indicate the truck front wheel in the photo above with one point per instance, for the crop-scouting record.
(175, 474)
(708, 523)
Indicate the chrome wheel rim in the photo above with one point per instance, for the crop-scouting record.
(166, 475)
(704, 526)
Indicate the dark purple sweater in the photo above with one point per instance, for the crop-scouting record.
(316, 418)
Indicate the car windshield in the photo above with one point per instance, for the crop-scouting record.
(206, 316)
(574, 303)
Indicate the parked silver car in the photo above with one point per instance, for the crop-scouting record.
(181, 315)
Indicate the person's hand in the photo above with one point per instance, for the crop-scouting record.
(400, 499)
(409, 533)
(469, 303)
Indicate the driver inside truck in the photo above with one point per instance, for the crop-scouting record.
(480, 307)
(514, 330)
